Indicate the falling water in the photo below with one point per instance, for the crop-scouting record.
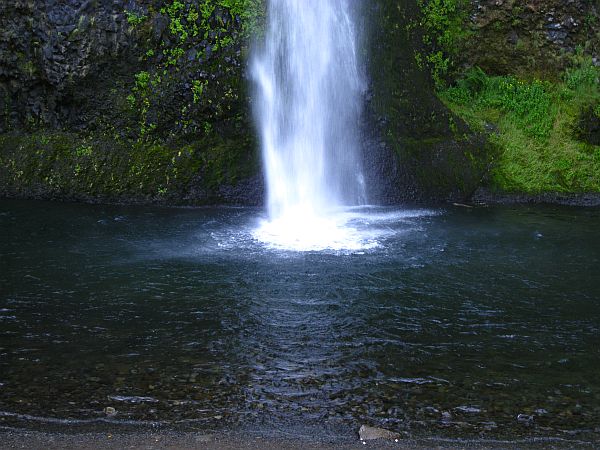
(308, 106)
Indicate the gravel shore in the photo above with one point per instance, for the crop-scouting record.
(32, 440)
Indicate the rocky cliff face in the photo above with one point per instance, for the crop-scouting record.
(73, 64)
(416, 149)
(146, 100)
(49, 55)
(146, 81)
(534, 37)
(131, 87)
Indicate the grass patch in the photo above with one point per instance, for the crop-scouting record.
(536, 123)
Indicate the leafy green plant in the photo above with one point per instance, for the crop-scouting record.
(529, 102)
(83, 150)
(197, 89)
(135, 19)
(140, 99)
(585, 74)
(445, 32)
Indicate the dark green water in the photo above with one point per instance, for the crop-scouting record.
(460, 321)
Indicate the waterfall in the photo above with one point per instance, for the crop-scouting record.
(307, 108)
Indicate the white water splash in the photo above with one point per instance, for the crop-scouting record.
(348, 230)
(298, 230)
(308, 107)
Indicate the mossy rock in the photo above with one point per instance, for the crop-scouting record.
(71, 167)
(418, 150)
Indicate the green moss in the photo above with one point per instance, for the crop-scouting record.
(250, 12)
(536, 122)
(83, 150)
(68, 165)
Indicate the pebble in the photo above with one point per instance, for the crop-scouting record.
(367, 433)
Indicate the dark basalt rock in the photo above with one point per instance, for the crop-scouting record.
(47, 50)
(530, 37)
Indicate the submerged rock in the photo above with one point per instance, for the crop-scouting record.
(446, 416)
(468, 409)
(525, 419)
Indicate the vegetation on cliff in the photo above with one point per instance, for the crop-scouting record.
(158, 101)
(539, 127)
(193, 52)
(539, 95)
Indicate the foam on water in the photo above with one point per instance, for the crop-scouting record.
(302, 230)
(344, 229)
